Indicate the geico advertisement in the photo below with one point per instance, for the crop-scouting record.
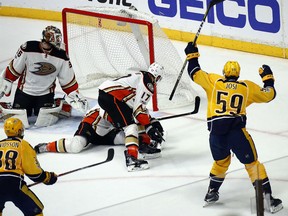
(259, 20)
(249, 20)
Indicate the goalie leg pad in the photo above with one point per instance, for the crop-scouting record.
(21, 114)
(65, 112)
(48, 116)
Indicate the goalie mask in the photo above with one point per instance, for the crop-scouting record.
(231, 69)
(52, 35)
(14, 127)
(157, 71)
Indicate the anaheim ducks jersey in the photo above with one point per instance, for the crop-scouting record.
(228, 99)
(136, 90)
(37, 71)
(99, 124)
(17, 157)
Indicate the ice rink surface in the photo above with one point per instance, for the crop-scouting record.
(177, 182)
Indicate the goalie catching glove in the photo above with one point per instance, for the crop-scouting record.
(267, 75)
(77, 101)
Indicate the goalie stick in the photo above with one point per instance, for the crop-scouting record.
(211, 4)
(110, 157)
(196, 109)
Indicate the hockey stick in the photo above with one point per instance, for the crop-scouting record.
(110, 157)
(196, 109)
(211, 4)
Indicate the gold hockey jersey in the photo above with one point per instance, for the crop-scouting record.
(230, 98)
(17, 157)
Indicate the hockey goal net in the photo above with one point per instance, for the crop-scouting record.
(106, 43)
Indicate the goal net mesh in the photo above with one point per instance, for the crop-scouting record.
(106, 43)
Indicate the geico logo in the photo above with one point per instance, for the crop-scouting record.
(261, 15)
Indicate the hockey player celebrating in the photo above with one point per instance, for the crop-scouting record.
(17, 159)
(125, 100)
(36, 65)
(97, 130)
(228, 98)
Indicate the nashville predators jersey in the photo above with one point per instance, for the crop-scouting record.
(17, 157)
(229, 97)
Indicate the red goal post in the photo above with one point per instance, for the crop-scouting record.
(106, 43)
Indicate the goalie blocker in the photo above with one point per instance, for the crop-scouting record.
(47, 115)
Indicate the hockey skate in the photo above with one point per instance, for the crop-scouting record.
(273, 205)
(211, 197)
(40, 148)
(133, 164)
(155, 144)
(148, 152)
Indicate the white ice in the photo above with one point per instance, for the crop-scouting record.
(177, 182)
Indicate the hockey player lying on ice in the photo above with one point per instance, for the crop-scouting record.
(96, 128)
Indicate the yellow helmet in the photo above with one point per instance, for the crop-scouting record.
(14, 127)
(231, 69)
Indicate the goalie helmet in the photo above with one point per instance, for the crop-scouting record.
(231, 69)
(157, 71)
(52, 35)
(14, 127)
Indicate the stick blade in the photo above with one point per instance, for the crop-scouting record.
(197, 105)
(110, 155)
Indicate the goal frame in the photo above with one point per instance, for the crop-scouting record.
(148, 24)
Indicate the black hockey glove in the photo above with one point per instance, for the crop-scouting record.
(50, 179)
(156, 124)
(191, 51)
(153, 133)
(267, 75)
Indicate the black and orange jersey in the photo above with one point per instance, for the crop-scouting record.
(101, 124)
(136, 90)
(17, 157)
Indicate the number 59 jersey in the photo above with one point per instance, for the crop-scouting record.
(228, 98)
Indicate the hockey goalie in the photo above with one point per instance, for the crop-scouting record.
(36, 66)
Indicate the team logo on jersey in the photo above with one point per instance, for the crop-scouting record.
(43, 68)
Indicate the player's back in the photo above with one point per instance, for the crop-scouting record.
(11, 156)
(18, 158)
(227, 97)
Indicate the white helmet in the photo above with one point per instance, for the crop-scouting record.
(157, 71)
(52, 35)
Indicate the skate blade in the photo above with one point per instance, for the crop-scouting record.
(206, 204)
(146, 156)
(133, 168)
(276, 209)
